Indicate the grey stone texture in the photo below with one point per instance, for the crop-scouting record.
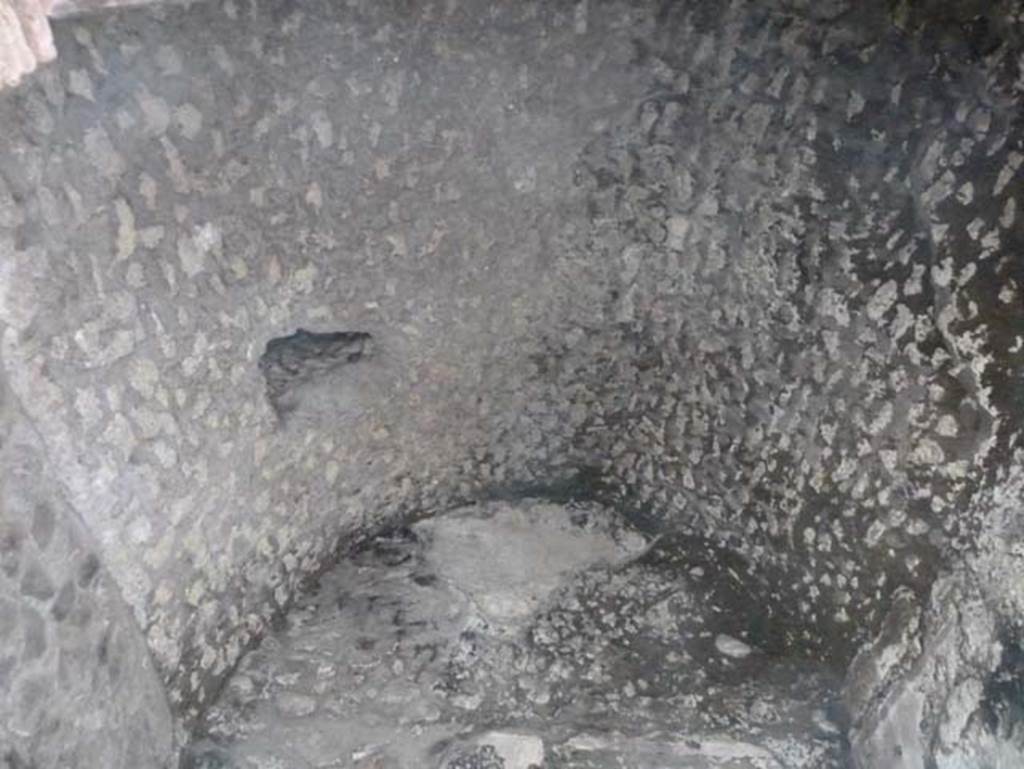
(747, 271)
(410, 177)
(78, 687)
(518, 635)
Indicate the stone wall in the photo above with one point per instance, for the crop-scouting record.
(77, 685)
(815, 221)
(750, 270)
(187, 185)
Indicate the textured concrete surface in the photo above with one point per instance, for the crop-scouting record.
(407, 178)
(748, 272)
(77, 685)
(524, 635)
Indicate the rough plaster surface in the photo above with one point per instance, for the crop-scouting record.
(77, 685)
(407, 657)
(754, 265)
(410, 177)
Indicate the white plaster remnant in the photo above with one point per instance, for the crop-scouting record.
(517, 751)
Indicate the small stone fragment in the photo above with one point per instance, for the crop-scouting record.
(732, 647)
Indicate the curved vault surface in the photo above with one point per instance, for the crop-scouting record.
(753, 267)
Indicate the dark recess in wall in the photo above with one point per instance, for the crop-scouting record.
(288, 362)
(1003, 702)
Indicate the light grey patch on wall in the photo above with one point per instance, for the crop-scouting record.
(77, 685)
